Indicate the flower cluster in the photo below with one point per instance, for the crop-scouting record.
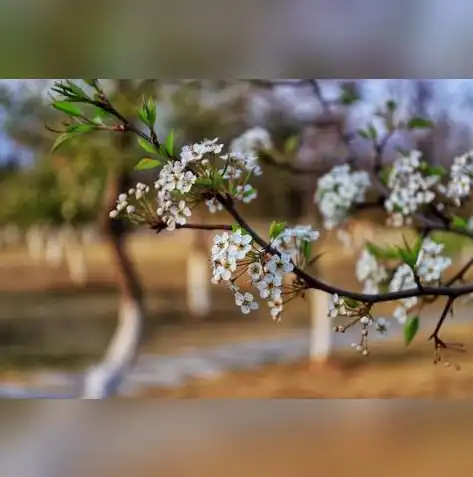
(337, 191)
(429, 268)
(338, 306)
(251, 142)
(460, 181)
(134, 204)
(233, 254)
(409, 188)
(370, 272)
(291, 240)
(176, 180)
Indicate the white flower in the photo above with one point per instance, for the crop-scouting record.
(255, 271)
(279, 265)
(269, 286)
(337, 191)
(276, 308)
(409, 188)
(245, 302)
(382, 326)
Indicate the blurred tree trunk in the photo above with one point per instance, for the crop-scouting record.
(198, 274)
(318, 141)
(123, 347)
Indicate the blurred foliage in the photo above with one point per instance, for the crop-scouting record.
(69, 185)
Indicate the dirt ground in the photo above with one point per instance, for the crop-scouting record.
(78, 322)
(391, 371)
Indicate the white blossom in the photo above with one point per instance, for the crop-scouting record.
(337, 191)
(409, 188)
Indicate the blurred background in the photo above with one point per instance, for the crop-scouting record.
(63, 266)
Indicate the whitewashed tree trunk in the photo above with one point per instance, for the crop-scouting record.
(76, 264)
(320, 326)
(316, 143)
(74, 256)
(11, 235)
(54, 253)
(35, 242)
(198, 277)
(104, 380)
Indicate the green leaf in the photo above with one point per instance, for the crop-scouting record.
(417, 248)
(76, 90)
(80, 128)
(146, 146)
(204, 182)
(68, 108)
(150, 108)
(364, 134)
(72, 131)
(348, 97)
(459, 222)
(388, 253)
(276, 229)
(411, 327)
(147, 163)
(290, 144)
(61, 139)
(373, 134)
(385, 173)
(407, 258)
(391, 106)
(170, 143)
(419, 123)
(306, 249)
(100, 115)
(142, 114)
(351, 303)
(91, 82)
(435, 170)
(236, 228)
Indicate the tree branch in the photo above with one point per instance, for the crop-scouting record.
(159, 227)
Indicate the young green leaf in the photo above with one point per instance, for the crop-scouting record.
(351, 303)
(93, 83)
(364, 134)
(142, 115)
(435, 170)
(61, 139)
(419, 123)
(150, 108)
(306, 249)
(349, 97)
(276, 229)
(72, 131)
(146, 146)
(387, 253)
(391, 106)
(417, 248)
(373, 134)
(68, 108)
(459, 222)
(147, 163)
(204, 182)
(411, 327)
(77, 129)
(79, 92)
(385, 173)
(170, 143)
(290, 144)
